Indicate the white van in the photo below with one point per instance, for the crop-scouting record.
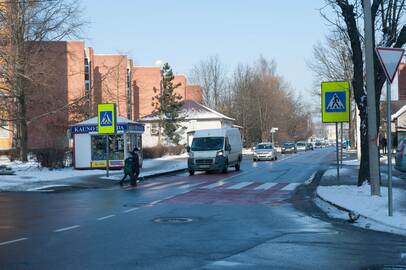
(215, 149)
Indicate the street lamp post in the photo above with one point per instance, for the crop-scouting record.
(273, 130)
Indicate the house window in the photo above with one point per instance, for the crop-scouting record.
(154, 129)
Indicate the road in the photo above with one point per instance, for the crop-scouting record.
(252, 219)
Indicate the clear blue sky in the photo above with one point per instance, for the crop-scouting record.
(182, 32)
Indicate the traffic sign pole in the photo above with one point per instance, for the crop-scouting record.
(338, 159)
(389, 135)
(107, 155)
(341, 145)
(390, 59)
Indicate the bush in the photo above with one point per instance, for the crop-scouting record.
(51, 157)
(161, 150)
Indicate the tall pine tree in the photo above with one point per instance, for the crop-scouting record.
(168, 105)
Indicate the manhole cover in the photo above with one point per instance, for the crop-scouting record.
(387, 267)
(173, 220)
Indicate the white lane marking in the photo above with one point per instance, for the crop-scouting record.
(155, 202)
(226, 263)
(105, 217)
(169, 185)
(217, 184)
(290, 187)
(240, 185)
(130, 210)
(67, 228)
(190, 185)
(266, 186)
(13, 241)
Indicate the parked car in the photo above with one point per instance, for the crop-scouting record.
(289, 147)
(309, 146)
(301, 146)
(215, 149)
(265, 151)
(400, 156)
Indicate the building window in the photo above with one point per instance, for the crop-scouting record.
(154, 129)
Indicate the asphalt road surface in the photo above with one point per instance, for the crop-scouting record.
(252, 219)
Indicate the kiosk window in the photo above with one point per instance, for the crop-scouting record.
(116, 147)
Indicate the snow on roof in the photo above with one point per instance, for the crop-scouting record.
(192, 110)
(93, 121)
(399, 113)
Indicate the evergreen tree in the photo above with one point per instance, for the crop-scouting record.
(168, 106)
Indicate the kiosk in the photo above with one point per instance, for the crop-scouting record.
(89, 148)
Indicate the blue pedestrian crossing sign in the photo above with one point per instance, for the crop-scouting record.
(106, 120)
(335, 102)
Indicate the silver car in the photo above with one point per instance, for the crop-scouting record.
(265, 151)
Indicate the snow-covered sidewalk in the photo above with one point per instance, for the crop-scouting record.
(30, 176)
(373, 210)
(338, 199)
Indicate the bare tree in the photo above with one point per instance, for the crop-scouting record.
(211, 76)
(389, 31)
(25, 27)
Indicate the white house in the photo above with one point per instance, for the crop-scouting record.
(196, 117)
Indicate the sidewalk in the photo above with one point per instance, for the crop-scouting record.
(29, 177)
(338, 199)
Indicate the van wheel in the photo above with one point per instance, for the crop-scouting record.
(225, 169)
(237, 167)
(191, 172)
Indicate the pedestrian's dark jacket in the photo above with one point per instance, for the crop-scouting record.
(136, 163)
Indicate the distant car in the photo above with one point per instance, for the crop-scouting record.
(309, 146)
(400, 156)
(265, 151)
(301, 146)
(289, 147)
(318, 145)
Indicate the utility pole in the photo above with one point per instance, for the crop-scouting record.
(370, 75)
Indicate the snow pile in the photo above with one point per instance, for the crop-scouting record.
(31, 172)
(373, 208)
(351, 162)
(333, 172)
(247, 151)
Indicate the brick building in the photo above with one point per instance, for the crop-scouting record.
(73, 79)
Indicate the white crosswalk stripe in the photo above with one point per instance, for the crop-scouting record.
(217, 184)
(169, 185)
(266, 186)
(240, 185)
(290, 186)
(190, 185)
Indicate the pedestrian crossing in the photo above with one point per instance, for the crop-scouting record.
(223, 185)
(224, 191)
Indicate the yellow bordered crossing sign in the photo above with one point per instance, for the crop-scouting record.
(106, 118)
(335, 102)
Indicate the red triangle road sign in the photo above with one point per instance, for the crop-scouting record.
(390, 59)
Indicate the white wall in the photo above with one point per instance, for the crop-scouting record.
(149, 140)
(83, 152)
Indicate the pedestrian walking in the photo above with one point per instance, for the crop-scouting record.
(383, 144)
(132, 167)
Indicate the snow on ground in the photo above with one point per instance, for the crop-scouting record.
(247, 151)
(333, 172)
(29, 172)
(373, 209)
(351, 162)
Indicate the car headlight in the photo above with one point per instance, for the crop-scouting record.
(220, 153)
